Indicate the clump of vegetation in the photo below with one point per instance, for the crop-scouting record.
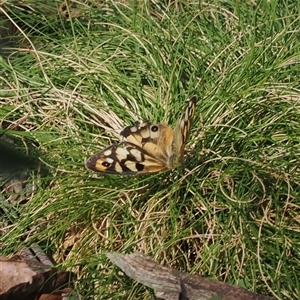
(72, 81)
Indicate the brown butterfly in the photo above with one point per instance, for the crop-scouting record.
(147, 148)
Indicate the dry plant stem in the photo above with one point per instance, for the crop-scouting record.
(170, 284)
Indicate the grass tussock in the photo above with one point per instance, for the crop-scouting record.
(231, 211)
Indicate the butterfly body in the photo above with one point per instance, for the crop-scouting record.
(147, 148)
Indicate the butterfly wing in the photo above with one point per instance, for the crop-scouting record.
(183, 128)
(155, 139)
(124, 159)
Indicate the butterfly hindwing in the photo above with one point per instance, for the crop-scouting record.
(183, 127)
(155, 139)
(147, 147)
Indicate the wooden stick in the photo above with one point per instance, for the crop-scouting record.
(170, 284)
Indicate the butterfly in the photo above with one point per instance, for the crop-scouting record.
(146, 147)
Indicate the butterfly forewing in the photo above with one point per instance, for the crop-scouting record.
(147, 148)
(126, 159)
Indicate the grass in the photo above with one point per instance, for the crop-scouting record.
(232, 211)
